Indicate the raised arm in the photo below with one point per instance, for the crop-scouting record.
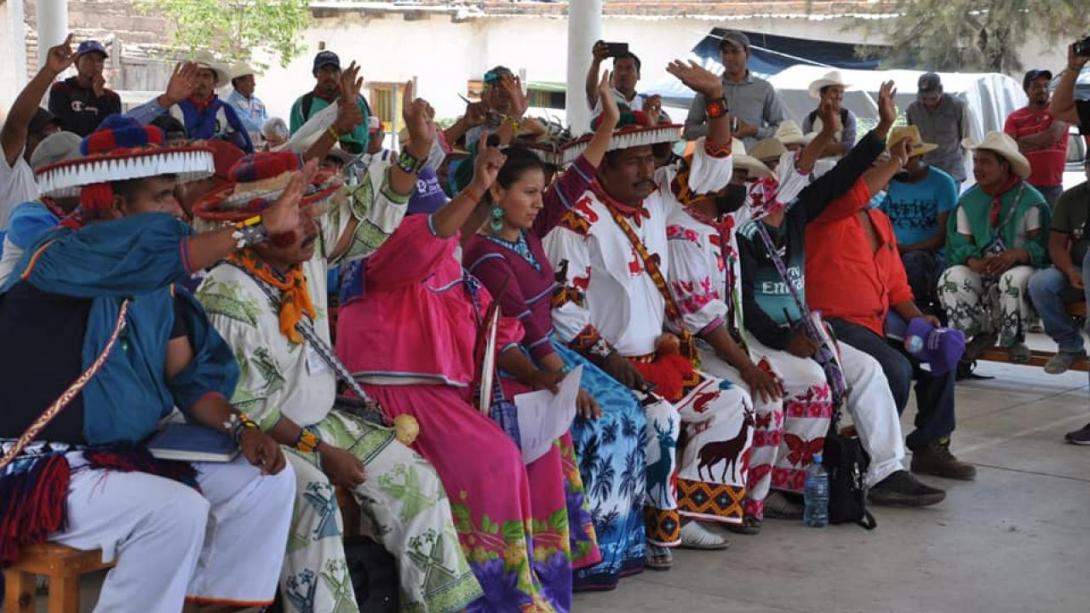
(180, 86)
(594, 92)
(14, 133)
(1063, 105)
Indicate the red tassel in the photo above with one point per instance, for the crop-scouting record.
(34, 505)
(96, 199)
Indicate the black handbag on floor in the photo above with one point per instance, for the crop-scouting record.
(374, 575)
(846, 462)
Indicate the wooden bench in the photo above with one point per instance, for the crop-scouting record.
(62, 565)
(1040, 358)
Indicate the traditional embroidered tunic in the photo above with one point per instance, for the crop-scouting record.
(624, 306)
(610, 458)
(402, 496)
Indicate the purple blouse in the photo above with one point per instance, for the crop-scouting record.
(529, 290)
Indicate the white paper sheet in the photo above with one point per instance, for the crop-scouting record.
(544, 416)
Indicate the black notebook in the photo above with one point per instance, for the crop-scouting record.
(192, 443)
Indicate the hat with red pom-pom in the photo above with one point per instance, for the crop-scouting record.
(256, 181)
(121, 149)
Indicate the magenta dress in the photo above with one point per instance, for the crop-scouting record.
(410, 341)
(607, 454)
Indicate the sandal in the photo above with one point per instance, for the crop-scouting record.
(695, 536)
(659, 557)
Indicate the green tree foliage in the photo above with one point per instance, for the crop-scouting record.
(973, 35)
(234, 29)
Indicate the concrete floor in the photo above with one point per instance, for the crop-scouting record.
(1014, 540)
(1017, 539)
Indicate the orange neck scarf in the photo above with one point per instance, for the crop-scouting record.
(294, 295)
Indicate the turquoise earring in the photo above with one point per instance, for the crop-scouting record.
(497, 218)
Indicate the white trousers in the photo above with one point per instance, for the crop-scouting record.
(224, 544)
(874, 413)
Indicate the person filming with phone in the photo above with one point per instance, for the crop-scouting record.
(622, 82)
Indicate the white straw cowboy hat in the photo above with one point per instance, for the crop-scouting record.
(755, 167)
(789, 133)
(1004, 146)
(241, 69)
(769, 149)
(206, 61)
(833, 77)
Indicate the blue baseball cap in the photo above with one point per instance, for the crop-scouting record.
(326, 58)
(91, 46)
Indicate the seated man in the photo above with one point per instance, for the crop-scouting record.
(995, 241)
(614, 245)
(771, 308)
(1053, 288)
(140, 357)
(270, 304)
(918, 201)
(854, 276)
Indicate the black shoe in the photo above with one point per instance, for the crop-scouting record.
(978, 345)
(1079, 437)
(936, 459)
(901, 489)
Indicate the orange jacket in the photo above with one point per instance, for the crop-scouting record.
(844, 279)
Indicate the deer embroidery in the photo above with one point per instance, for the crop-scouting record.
(728, 450)
(658, 473)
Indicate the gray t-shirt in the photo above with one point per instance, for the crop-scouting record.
(946, 127)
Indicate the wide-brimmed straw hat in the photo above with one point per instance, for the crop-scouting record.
(1005, 146)
(257, 180)
(833, 77)
(916, 144)
(206, 61)
(768, 149)
(789, 133)
(122, 150)
(634, 129)
(755, 167)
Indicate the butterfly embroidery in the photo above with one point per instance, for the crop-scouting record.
(802, 452)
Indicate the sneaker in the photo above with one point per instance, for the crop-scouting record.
(695, 536)
(658, 557)
(936, 459)
(779, 506)
(1063, 360)
(1019, 353)
(1079, 437)
(901, 489)
(978, 345)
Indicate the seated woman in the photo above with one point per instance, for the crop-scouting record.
(510, 261)
(410, 340)
(994, 242)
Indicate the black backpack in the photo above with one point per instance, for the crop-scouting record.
(846, 462)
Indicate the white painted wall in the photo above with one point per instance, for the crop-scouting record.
(13, 59)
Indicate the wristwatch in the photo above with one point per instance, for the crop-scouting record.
(716, 108)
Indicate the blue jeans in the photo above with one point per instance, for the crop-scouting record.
(1051, 194)
(923, 269)
(934, 394)
(1051, 293)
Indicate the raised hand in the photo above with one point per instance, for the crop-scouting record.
(652, 106)
(697, 78)
(900, 151)
(181, 84)
(476, 114)
(1075, 62)
(419, 120)
(887, 108)
(830, 118)
(513, 87)
(349, 115)
(285, 215)
(599, 51)
(610, 111)
(487, 165)
(60, 57)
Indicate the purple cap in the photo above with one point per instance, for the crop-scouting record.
(428, 196)
(91, 46)
(942, 348)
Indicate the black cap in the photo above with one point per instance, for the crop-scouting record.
(1035, 74)
(736, 39)
(41, 119)
(929, 82)
(326, 58)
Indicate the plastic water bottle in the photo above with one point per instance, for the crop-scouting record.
(816, 495)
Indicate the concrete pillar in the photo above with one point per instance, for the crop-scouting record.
(52, 26)
(584, 28)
